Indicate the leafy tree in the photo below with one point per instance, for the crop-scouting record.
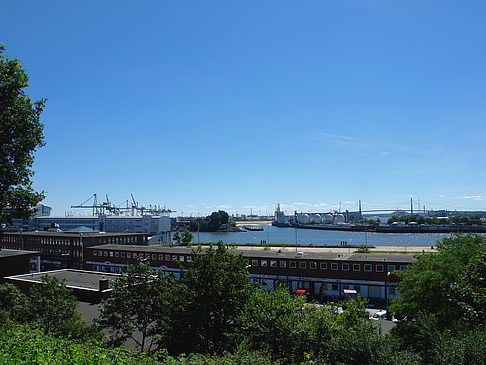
(51, 304)
(470, 290)
(134, 307)
(184, 237)
(20, 136)
(13, 303)
(217, 286)
(427, 284)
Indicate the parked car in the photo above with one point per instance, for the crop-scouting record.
(379, 315)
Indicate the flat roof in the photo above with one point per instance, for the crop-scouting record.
(80, 279)
(71, 234)
(270, 254)
(4, 252)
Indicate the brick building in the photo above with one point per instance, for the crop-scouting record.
(321, 274)
(65, 250)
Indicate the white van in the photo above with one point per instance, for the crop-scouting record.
(379, 315)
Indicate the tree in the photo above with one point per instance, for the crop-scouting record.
(184, 237)
(13, 303)
(427, 284)
(51, 304)
(134, 307)
(20, 136)
(217, 287)
(470, 290)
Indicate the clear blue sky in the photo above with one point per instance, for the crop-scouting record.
(200, 105)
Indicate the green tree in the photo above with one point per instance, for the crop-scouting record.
(51, 304)
(469, 292)
(20, 136)
(427, 284)
(13, 303)
(217, 287)
(134, 307)
(186, 236)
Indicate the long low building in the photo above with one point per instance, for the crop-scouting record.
(62, 249)
(321, 274)
(148, 224)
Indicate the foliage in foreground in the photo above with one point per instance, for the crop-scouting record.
(24, 344)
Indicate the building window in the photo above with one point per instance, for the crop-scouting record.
(273, 263)
(379, 268)
(357, 288)
(174, 257)
(334, 286)
(293, 264)
(391, 268)
(147, 256)
(123, 254)
(263, 263)
(100, 253)
(161, 257)
(189, 258)
(106, 254)
(334, 266)
(302, 265)
(95, 253)
(345, 267)
(403, 267)
(167, 257)
(283, 263)
(323, 265)
(356, 267)
(367, 267)
(129, 255)
(111, 253)
(117, 254)
(181, 258)
(313, 265)
(254, 262)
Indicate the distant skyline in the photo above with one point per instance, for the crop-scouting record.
(206, 105)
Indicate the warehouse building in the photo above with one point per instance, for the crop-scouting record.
(323, 275)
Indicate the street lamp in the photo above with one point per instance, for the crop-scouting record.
(386, 289)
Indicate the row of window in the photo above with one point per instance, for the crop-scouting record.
(147, 256)
(324, 265)
(118, 240)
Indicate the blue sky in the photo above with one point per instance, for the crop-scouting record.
(202, 105)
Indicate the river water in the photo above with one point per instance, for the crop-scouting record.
(277, 235)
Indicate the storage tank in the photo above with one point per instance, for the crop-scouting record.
(315, 219)
(303, 218)
(339, 218)
(328, 219)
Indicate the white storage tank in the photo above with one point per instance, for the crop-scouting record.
(315, 219)
(328, 219)
(339, 218)
(303, 218)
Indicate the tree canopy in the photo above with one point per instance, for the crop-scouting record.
(21, 133)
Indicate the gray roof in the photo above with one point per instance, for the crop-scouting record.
(71, 234)
(72, 278)
(4, 252)
(271, 254)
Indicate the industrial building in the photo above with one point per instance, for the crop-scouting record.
(321, 274)
(65, 250)
(148, 224)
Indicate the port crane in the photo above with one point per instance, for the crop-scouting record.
(125, 208)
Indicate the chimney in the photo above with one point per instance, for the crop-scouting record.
(104, 284)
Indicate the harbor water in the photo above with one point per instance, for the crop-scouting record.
(277, 235)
